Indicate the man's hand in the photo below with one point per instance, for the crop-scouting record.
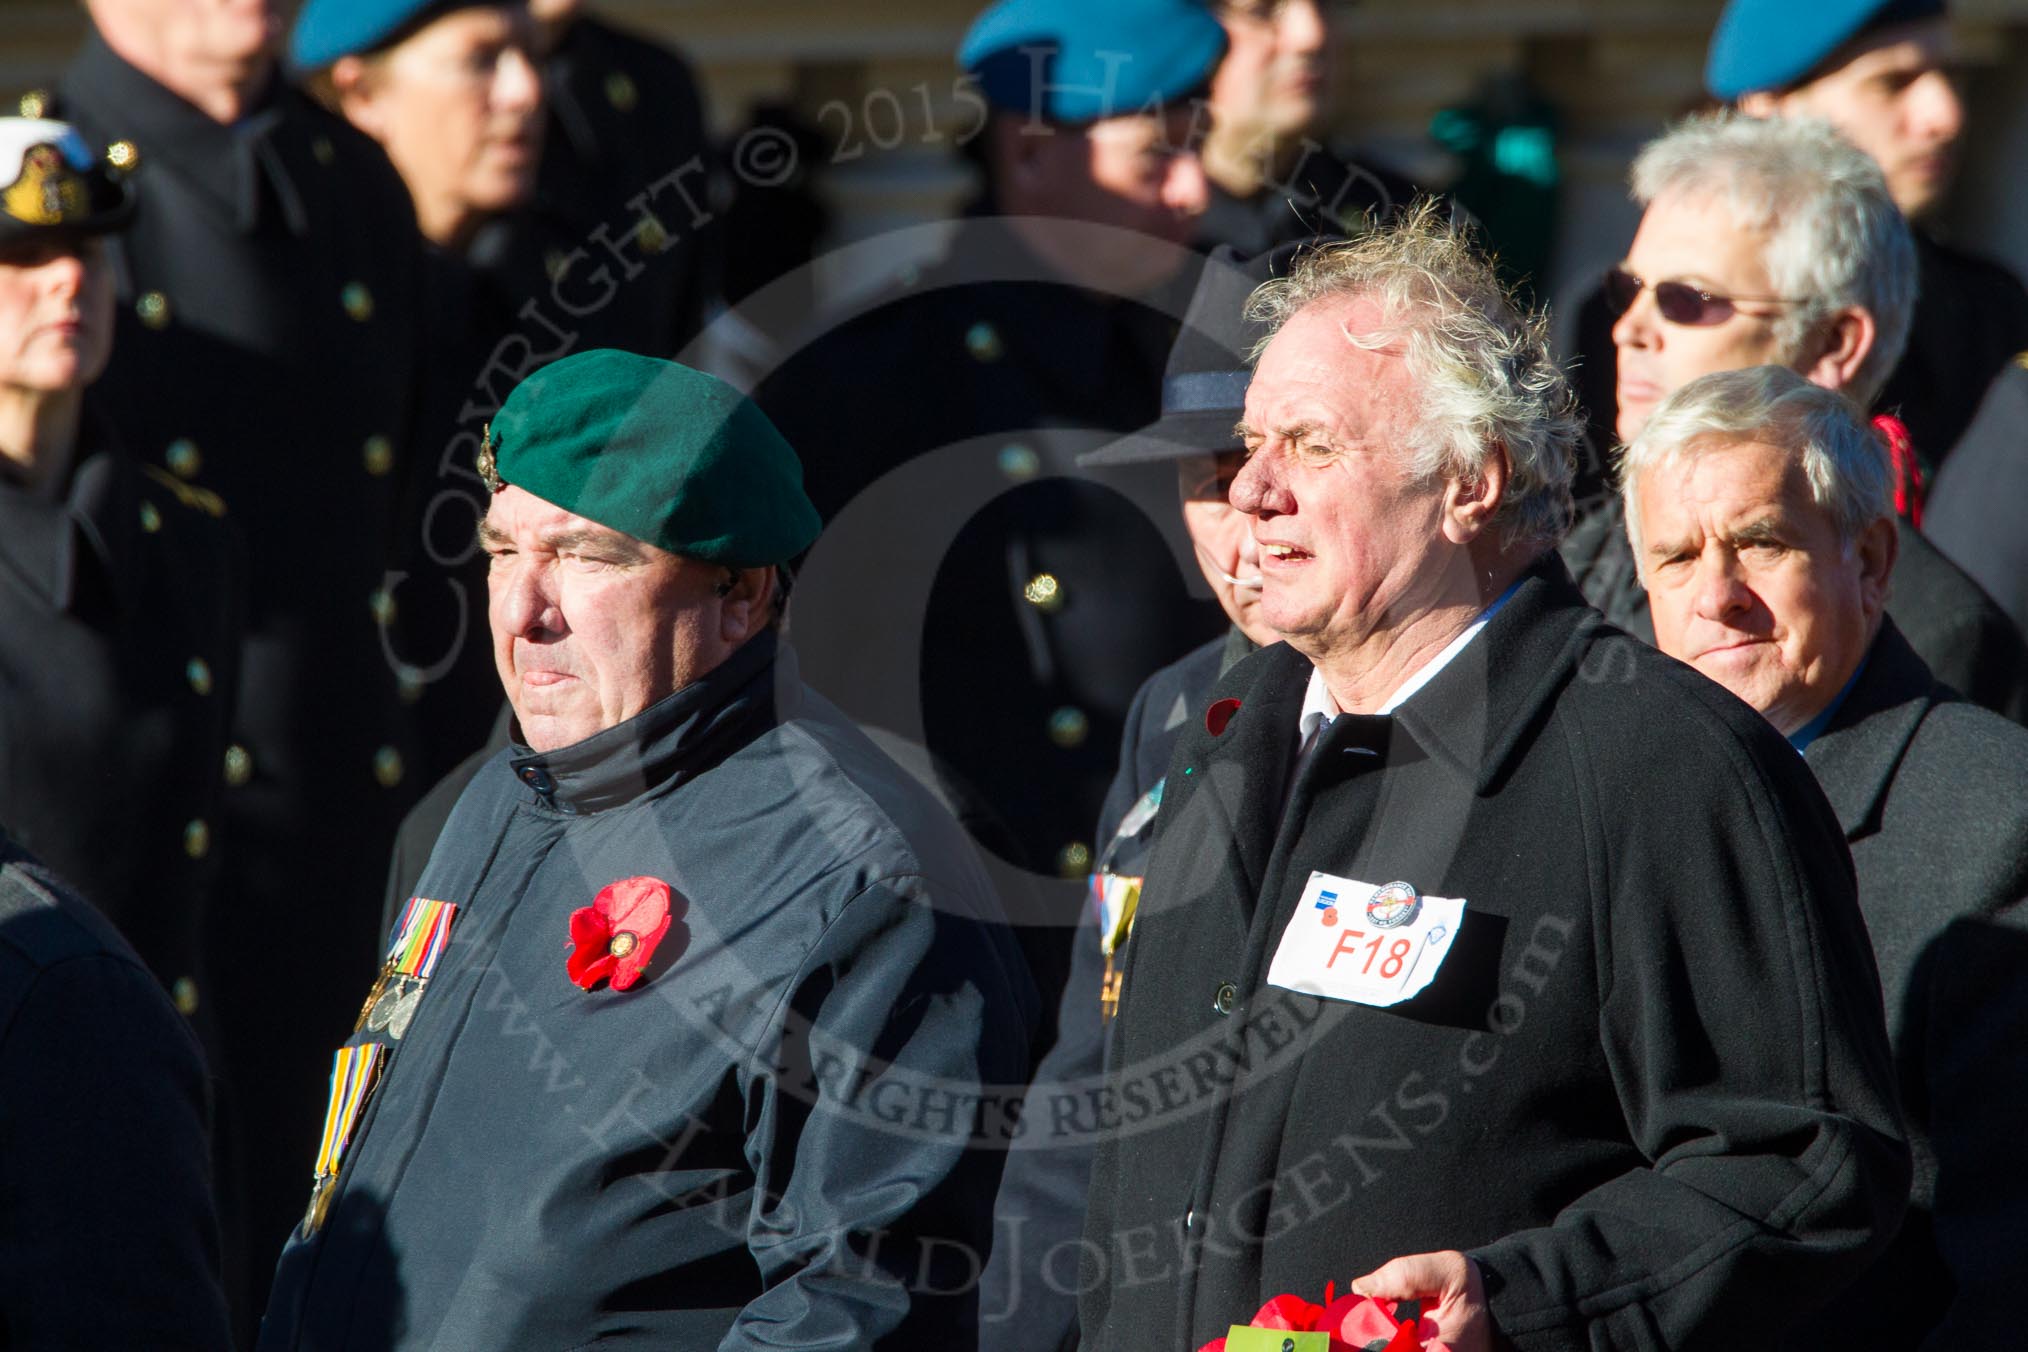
(1448, 1286)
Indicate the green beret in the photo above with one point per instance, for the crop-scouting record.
(668, 455)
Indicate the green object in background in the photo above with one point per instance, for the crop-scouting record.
(1507, 144)
(1242, 1338)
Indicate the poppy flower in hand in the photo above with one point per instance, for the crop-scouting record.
(614, 938)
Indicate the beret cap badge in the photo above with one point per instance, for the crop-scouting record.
(488, 463)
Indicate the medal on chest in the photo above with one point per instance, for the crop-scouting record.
(420, 937)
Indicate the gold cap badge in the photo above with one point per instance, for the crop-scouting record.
(49, 191)
(488, 469)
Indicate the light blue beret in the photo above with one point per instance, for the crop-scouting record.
(328, 29)
(1772, 44)
(1081, 60)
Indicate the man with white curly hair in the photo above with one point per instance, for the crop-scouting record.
(1458, 898)
(1777, 242)
(1759, 509)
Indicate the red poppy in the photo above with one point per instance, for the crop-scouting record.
(614, 938)
(1352, 1322)
(1216, 717)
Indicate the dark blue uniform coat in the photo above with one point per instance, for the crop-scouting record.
(271, 339)
(119, 661)
(107, 1233)
(1029, 1291)
(770, 1141)
(1974, 512)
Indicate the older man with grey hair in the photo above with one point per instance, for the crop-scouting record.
(1758, 505)
(1775, 241)
(1457, 895)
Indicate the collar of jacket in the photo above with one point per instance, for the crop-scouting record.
(670, 741)
(41, 534)
(229, 162)
(1855, 758)
(1472, 716)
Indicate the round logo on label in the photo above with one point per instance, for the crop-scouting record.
(1394, 905)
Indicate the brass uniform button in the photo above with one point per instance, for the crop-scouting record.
(124, 156)
(151, 517)
(238, 766)
(35, 103)
(409, 683)
(654, 238)
(387, 767)
(197, 671)
(378, 453)
(1044, 592)
(1069, 727)
(182, 458)
(1226, 998)
(554, 264)
(184, 993)
(982, 340)
(197, 838)
(1073, 860)
(153, 309)
(357, 300)
(325, 152)
(1019, 463)
(620, 91)
(382, 604)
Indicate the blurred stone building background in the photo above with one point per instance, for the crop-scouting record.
(875, 78)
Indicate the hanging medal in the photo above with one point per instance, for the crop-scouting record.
(354, 1072)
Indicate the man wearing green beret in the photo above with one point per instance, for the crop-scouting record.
(692, 1034)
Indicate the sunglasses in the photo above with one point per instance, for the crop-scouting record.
(1679, 302)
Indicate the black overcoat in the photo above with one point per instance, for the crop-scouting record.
(1932, 793)
(1648, 1089)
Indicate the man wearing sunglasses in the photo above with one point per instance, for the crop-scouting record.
(1880, 72)
(1774, 242)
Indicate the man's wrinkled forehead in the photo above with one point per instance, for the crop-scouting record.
(1319, 340)
(517, 517)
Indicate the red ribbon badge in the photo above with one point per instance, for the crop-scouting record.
(614, 938)
(1909, 490)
